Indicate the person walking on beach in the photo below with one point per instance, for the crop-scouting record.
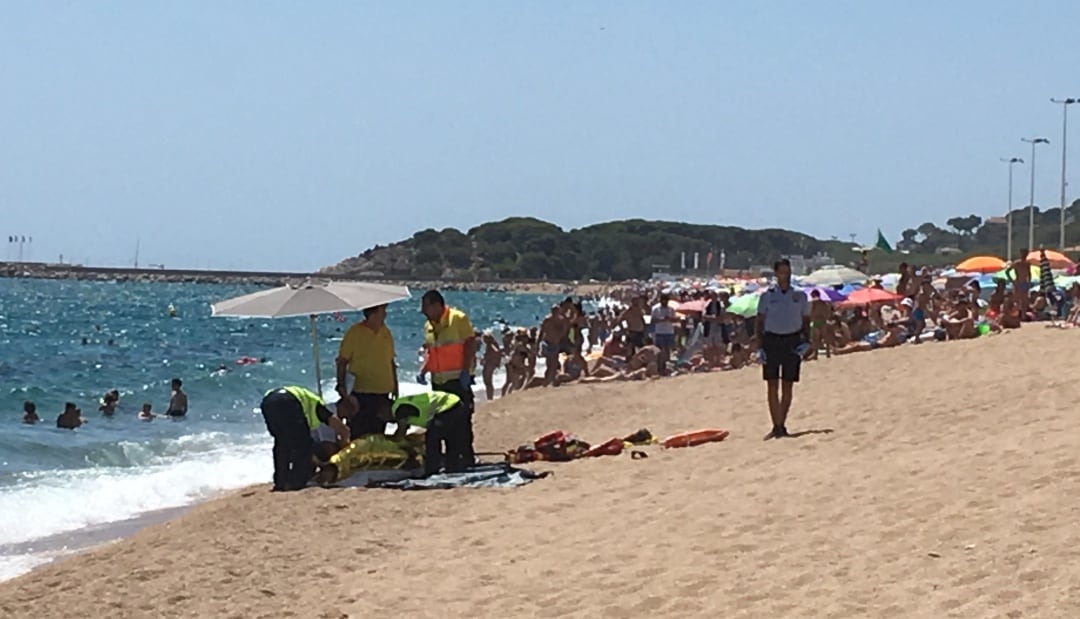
(292, 414)
(1020, 269)
(783, 332)
(493, 357)
(367, 352)
(177, 400)
(634, 318)
(553, 331)
(663, 323)
(451, 343)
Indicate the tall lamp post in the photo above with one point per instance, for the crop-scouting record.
(1008, 213)
(1064, 103)
(1031, 204)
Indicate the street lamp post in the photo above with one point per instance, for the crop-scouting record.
(1064, 103)
(1008, 213)
(1031, 204)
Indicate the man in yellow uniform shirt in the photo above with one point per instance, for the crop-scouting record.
(367, 352)
(451, 353)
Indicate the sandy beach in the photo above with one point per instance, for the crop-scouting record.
(948, 486)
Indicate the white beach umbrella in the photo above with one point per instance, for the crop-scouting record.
(311, 299)
(835, 276)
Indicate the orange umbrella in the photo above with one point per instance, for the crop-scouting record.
(981, 264)
(1057, 259)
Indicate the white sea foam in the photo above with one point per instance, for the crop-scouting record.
(71, 500)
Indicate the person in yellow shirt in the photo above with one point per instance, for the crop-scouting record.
(367, 352)
(451, 353)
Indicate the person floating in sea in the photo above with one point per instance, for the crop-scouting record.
(446, 421)
(71, 418)
(147, 412)
(178, 404)
(292, 414)
(30, 413)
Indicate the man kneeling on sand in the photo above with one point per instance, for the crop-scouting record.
(292, 414)
(445, 421)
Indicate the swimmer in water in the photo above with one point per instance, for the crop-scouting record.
(30, 413)
(146, 414)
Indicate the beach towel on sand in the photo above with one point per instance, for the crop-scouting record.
(483, 476)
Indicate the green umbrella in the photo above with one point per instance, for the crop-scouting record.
(744, 305)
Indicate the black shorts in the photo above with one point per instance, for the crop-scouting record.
(781, 360)
(636, 339)
(372, 415)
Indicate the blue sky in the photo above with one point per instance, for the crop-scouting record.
(289, 135)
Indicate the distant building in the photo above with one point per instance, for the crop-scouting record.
(947, 251)
(801, 265)
(661, 272)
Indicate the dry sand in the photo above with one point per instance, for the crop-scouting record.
(950, 487)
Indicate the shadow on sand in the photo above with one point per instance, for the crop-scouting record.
(803, 433)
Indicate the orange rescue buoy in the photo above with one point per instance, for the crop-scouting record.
(697, 437)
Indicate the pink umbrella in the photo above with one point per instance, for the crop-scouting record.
(692, 307)
(866, 296)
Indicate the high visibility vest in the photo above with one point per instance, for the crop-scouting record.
(309, 403)
(427, 406)
(445, 342)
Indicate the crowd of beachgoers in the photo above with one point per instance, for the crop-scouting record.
(653, 329)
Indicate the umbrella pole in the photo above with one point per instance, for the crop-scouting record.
(315, 354)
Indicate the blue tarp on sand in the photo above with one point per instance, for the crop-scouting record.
(482, 476)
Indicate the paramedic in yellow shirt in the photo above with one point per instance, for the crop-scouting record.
(451, 352)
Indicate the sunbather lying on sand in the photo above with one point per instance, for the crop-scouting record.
(642, 365)
(891, 336)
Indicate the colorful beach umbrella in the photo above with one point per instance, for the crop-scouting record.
(744, 305)
(832, 295)
(834, 276)
(1057, 260)
(692, 307)
(866, 296)
(981, 264)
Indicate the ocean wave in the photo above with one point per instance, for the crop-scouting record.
(58, 501)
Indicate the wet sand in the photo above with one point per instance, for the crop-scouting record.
(939, 480)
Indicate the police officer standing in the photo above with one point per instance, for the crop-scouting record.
(292, 414)
(783, 335)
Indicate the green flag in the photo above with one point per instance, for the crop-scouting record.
(882, 243)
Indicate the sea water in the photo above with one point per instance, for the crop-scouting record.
(72, 341)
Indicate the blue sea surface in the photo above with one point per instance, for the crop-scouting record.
(73, 341)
